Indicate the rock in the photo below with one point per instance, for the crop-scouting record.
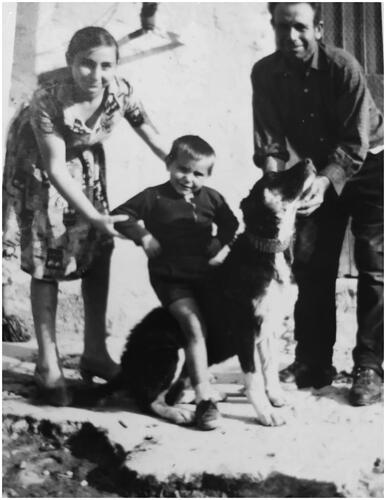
(378, 466)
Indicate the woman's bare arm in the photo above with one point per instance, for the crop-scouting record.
(53, 151)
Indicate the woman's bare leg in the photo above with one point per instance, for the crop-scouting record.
(44, 300)
(95, 285)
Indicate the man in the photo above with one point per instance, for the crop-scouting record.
(316, 98)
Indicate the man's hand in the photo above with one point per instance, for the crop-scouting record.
(314, 197)
(150, 245)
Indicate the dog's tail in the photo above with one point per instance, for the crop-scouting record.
(88, 396)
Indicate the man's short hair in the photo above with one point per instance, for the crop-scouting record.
(193, 145)
(316, 7)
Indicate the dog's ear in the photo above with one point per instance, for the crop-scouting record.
(247, 204)
(251, 204)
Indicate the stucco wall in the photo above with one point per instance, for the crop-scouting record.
(197, 84)
(201, 86)
(193, 77)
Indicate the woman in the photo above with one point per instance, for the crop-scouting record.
(54, 182)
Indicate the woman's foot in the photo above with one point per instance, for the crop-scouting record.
(51, 388)
(105, 368)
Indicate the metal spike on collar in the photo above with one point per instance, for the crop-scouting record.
(268, 245)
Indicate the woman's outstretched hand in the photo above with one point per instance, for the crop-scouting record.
(105, 224)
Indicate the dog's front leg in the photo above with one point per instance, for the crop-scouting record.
(255, 386)
(268, 352)
(161, 405)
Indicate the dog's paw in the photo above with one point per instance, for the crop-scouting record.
(176, 414)
(270, 417)
(183, 416)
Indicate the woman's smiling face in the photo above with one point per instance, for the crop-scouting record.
(93, 69)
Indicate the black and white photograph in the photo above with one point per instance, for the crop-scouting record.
(192, 271)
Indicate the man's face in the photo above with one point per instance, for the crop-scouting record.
(296, 34)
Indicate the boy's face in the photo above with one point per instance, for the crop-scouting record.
(296, 34)
(188, 175)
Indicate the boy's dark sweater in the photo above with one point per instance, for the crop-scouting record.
(182, 227)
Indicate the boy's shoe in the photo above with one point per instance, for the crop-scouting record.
(367, 387)
(207, 416)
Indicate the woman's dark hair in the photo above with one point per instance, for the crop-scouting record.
(316, 6)
(88, 38)
(193, 145)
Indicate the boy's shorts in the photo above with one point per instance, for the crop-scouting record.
(170, 291)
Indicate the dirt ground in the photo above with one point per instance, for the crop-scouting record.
(327, 449)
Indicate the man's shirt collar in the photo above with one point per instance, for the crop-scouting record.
(319, 62)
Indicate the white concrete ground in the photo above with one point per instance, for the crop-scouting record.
(324, 440)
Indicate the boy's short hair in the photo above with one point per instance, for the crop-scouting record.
(316, 7)
(193, 145)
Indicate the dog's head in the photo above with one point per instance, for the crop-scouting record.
(270, 208)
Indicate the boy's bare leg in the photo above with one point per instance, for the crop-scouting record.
(189, 318)
(186, 312)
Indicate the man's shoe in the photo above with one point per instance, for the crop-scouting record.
(305, 375)
(323, 375)
(367, 387)
(297, 372)
(207, 415)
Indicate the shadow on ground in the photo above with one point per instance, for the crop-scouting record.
(82, 462)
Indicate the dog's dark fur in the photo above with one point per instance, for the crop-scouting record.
(242, 302)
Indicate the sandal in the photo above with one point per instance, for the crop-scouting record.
(90, 369)
(55, 395)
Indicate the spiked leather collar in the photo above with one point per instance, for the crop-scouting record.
(267, 245)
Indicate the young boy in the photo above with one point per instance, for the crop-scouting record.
(177, 238)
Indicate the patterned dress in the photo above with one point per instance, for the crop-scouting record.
(56, 242)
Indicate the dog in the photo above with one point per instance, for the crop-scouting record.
(244, 301)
